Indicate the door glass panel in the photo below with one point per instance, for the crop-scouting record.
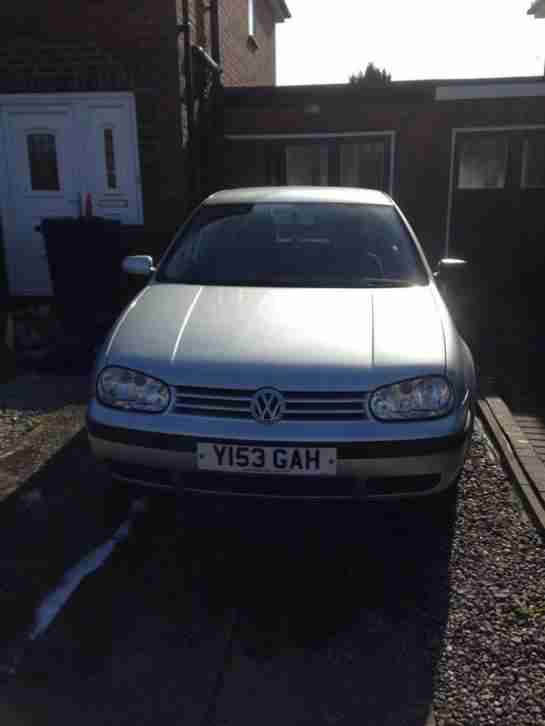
(42, 159)
(307, 165)
(363, 164)
(533, 163)
(111, 176)
(483, 163)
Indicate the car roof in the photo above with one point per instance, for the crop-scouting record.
(323, 195)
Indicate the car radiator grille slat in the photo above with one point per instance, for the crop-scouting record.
(300, 405)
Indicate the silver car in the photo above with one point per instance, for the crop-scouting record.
(292, 342)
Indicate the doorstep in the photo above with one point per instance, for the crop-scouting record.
(525, 466)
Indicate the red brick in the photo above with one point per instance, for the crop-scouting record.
(245, 65)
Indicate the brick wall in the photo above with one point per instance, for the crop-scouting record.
(247, 63)
(106, 45)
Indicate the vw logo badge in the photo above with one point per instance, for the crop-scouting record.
(268, 406)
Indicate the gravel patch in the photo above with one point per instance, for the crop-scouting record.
(25, 400)
(14, 424)
(492, 670)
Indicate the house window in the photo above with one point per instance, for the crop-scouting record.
(251, 18)
(109, 154)
(483, 163)
(42, 159)
(363, 164)
(533, 162)
(307, 165)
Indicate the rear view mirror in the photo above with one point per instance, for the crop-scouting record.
(138, 265)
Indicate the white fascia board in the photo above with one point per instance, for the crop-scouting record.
(461, 92)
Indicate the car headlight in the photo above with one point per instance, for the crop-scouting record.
(419, 398)
(132, 391)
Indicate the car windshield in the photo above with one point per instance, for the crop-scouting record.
(295, 245)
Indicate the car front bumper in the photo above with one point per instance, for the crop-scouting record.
(366, 468)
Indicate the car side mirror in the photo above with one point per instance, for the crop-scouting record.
(450, 270)
(141, 265)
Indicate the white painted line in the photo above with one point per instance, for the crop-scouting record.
(54, 601)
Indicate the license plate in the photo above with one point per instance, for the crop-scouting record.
(299, 461)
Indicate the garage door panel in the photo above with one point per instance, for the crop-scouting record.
(497, 222)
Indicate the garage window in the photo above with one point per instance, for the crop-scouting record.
(307, 165)
(483, 163)
(533, 163)
(363, 164)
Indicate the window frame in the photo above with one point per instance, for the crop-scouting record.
(275, 152)
(523, 169)
(484, 137)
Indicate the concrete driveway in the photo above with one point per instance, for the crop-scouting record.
(252, 613)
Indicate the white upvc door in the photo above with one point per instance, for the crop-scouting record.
(110, 160)
(40, 151)
(54, 151)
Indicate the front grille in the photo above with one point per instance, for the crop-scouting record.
(300, 406)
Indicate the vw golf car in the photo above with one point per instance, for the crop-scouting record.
(292, 342)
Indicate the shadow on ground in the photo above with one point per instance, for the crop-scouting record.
(253, 613)
(341, 615)
(55, 516)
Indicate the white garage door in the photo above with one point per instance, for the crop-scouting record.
(55, 151)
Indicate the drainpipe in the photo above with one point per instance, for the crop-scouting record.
(207, 60)
(215, 31)
(186, 28)
(215, 49)
(213, 62)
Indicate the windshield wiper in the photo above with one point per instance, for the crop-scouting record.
(386, 282)
(288, 281)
